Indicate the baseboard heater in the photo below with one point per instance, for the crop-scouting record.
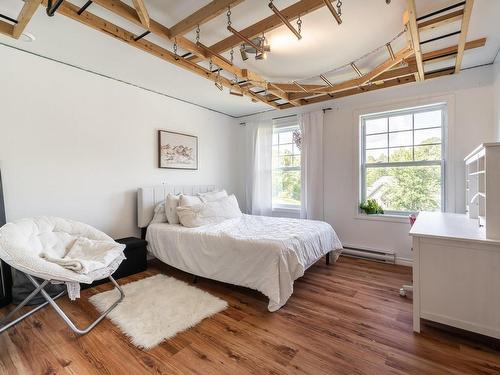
(372, 254)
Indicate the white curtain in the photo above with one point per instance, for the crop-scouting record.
(259, 138)
(311, 197)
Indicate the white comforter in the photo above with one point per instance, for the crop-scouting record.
(259, 252)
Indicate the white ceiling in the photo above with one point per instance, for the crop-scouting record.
(324, 46)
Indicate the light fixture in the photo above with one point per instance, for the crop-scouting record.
(235, 93)
(219, 86)
(260, 52)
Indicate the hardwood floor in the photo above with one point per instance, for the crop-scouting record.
(345, 318)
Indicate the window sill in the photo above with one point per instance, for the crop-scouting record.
(384, 217)
(286, 212)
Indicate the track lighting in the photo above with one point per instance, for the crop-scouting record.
(219, 86)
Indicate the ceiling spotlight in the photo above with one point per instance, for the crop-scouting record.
(235, 93)
(219, 86)
(243, 53)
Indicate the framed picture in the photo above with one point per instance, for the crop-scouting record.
(177, 150)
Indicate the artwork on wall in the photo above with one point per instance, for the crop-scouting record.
(177, 150)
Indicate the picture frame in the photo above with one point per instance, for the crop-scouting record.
(177, 150)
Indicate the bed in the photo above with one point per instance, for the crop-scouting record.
(263, 253)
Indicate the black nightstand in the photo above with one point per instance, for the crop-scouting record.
(136, 254)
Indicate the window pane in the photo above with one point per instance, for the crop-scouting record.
(400, 123)
(286, 161)
(432, 152)
(376, 141)
(376, 156)
(296, 161)
(376, 126)
(416, 188)
(275, 138)
(427, 136)
(286, 149)
(286, 187)
(427, 119)
(401, 154)
(286, 137)
(400, 139)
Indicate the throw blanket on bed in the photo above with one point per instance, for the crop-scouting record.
(86, 256)
(259, 252)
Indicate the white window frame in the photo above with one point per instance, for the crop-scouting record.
(443, 106)
(282, 124)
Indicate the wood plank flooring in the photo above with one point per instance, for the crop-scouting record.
(346, 318)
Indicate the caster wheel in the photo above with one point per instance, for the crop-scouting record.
(402, 292)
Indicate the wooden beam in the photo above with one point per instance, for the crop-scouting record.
(448, 51)
(333, 11)
(301, 8)
(441, 20)
(127, 12)
(284, 20)
(463, 34)
(29, 8)
(99, 24)
(142, 12)
(6, 28)
(410, 20)
(202, 15)
(244, 39)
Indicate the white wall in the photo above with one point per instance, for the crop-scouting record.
(497, 97)
(78, 145)
(471, 122)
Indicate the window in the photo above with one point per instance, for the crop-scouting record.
(286, 165)
(402, 159)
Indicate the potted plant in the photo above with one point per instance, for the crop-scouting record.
(371, 207)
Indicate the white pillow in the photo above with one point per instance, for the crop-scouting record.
(171, 204)
(159, 216)
(189, 200)
(212, 196)
(209, 212)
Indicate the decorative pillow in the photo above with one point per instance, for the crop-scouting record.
(171, 204)
(212, 196)
(159, 216)
(209, 213)
(189, 200)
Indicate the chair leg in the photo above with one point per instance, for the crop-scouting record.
(328, 258)
(68, 321)
(5, 326)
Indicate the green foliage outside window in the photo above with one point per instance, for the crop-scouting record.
(407, 188)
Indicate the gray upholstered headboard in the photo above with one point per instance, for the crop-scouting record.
(149, 197)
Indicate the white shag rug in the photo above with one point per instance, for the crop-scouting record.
(157, 308)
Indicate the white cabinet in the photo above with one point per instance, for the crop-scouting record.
(456, 273)
(482, 174)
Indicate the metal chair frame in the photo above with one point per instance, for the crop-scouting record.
(39, 288)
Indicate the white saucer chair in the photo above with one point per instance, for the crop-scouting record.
(22, 242)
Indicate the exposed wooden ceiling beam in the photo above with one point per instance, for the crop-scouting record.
(301, 8)
(202, 15)
(410, 20)
(142, 12)
(333, 11)
(441, 20)
(354, 91)
(97, 23)
(463, 34)
(353, 83)
(6, 28)
(29, 8)
(127, 12)
(448, 51)
(284, 20)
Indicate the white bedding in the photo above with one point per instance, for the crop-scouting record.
(259, 252)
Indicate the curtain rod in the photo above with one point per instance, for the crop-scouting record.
(279, 118)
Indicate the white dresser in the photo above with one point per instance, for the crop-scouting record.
(456, 273)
